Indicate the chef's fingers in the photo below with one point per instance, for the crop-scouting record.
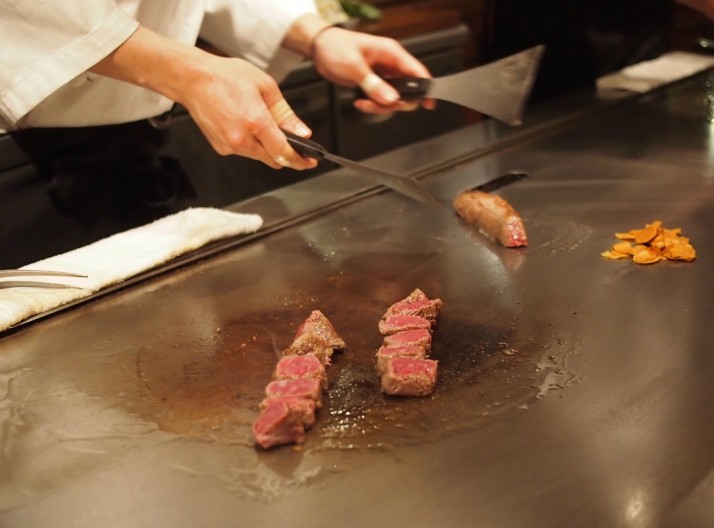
(372, 84)
(378, 89)
(287, 120)
(274, 142)
(374, 87)
(370, 107)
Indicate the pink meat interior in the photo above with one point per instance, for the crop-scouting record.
(404, 366)
(298, 388)
(299, 366)
(418, 336)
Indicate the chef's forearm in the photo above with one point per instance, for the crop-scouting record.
(155, 62)
(302, 33)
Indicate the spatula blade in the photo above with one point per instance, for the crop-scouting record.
(499, 89)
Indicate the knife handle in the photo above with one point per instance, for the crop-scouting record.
(410, 88)
(306, 147)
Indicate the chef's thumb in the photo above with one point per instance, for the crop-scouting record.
(378, 89)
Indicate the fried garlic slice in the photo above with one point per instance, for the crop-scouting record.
(652, 244)
(647, 255)
(642, 236)
(614, 255)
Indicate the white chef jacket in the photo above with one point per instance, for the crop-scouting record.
(46, 49)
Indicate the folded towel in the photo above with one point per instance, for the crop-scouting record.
(647, 75)
(121, 256)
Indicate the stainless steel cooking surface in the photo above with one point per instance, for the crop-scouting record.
(574, 390)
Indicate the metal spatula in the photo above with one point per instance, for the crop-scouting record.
(499, 89)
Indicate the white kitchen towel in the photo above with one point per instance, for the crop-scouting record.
(121, 256)
(647, 75)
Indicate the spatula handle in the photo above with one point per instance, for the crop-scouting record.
(411, 88)
(306, 147)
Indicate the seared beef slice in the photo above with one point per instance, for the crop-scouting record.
(317, 336)
(298, 381)
(303, 407)
(419, 337)
(405, 376)
(320, 326)
(402, 360)
(296, 388)
(311, 344)
(385, 353)
(416, 303)
(400, 322)
(278, 424)
(307, 366)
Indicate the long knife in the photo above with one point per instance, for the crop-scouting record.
(499, 89)
(402, 184)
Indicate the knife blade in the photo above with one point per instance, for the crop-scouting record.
(501, 181)
(499, 89)
(402, 184)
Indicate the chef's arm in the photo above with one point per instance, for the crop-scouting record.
(705, 7)
(45, 46)
(238, 107)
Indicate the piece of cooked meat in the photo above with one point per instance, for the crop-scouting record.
(406, 376)
(416, 304)
(416, 295)
(296, 388)
(385, 353)
(304, 407)
(298, 380)
(314, 344)
(306, 366)
(278, 424)
(419, 337)
(400, 322)
(319, 325)
(493, 216)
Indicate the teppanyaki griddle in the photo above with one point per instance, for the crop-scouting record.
(570, 382)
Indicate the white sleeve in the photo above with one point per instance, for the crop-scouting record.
(254, 30)
(44, 45)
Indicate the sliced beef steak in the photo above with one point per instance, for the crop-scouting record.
(385, 353)
(418, 304)
(278, 424)
(402, 361)
(406, 376)
(419, 337)
(416, 295)
(303, 407)
(318, 325)
(400, 322)
(307, 366)
(311, 344)
(298, 381)
(296, 388)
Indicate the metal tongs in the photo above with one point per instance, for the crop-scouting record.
(9, 273)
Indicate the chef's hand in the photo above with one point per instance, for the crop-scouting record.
(238, 107)
(351, 58)
(241, 110)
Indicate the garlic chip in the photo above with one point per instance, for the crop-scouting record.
(652, 244)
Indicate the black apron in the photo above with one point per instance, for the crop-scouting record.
(61, 188)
